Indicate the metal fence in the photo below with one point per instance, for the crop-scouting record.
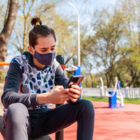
(96, 92)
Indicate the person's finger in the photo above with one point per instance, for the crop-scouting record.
(73, 100)
(75, 91)
(76, 87)
(75, 96)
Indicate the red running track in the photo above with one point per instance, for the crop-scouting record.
(111, 124)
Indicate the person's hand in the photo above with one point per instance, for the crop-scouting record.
(58, 95)
(74, 93)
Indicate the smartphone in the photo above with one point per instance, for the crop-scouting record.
(75, 80)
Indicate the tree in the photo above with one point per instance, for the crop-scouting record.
(19, 39)
(8, 27)
(129, 65)
(113, 45)
(103, 47)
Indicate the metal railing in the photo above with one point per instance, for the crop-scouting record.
(127, 92)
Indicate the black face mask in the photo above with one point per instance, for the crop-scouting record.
(45, 59)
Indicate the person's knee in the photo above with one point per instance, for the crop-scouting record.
(17, 113)
(86, 107)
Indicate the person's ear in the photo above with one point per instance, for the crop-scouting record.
(31, 50)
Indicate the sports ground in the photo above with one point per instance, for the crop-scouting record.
(111, 124)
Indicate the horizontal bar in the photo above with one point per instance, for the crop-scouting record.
(4, 63)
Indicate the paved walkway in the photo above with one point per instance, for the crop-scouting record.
(115, 124)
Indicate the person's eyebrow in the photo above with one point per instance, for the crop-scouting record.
(53, 46)
(47, 48)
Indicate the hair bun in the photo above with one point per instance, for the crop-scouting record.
(36, 21)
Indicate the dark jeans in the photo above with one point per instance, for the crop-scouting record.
(21, 123)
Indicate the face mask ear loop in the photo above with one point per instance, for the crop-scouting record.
(33, 50)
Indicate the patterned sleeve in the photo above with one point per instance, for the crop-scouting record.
(11, 86)
(13, 77)
(60, 77)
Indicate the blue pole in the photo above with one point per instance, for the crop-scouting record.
(78, 72)
(113, 100)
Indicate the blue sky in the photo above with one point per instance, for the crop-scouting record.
(103, 3)
(85, 8)
(99, 4)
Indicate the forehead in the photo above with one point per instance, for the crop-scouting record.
(45, 42)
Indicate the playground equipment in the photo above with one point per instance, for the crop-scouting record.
(4, 63)
(71, 68)
(114, 96)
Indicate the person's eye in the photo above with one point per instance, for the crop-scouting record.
(43, 50)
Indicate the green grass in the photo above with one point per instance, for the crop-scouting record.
(105, 99)
(132, 101)
(101, 99)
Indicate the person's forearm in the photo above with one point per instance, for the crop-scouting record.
(42, 98)
(10, 97)
(60, 77)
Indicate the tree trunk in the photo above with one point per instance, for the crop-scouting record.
(8, 27)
